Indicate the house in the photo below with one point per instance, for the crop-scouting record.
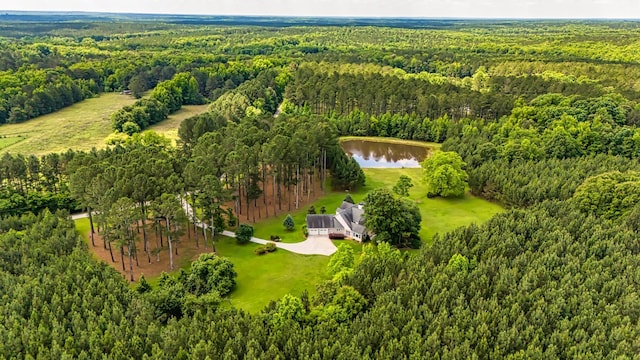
(323, 225)
(349, 220)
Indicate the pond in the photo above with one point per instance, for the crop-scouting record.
(373, 154)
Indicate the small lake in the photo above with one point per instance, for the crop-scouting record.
(372, 154)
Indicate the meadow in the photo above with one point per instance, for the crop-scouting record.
(81, 126)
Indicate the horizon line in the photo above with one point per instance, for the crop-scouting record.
(84, 12)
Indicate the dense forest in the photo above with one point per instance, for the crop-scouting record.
(545, 116)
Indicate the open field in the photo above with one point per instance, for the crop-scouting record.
(80, 126)
(169, 127)
(438, 215)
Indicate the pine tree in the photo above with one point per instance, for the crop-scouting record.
(288, 223)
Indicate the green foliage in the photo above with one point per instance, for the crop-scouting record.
(342, 260)
(288, 223)
(524, 183)
(211, 273)
(270, 247)
(611, 194)
(403, 185)
(143, 285)
(396, 221)
(244, 234)
(311, 210)
(289, 309)
(532, 121)
(458, 263)
(445, 174)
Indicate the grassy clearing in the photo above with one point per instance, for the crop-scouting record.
(438, 215)
(79, 127)
(169, 127)
(6, 141)
(269, 277)
(429, 145)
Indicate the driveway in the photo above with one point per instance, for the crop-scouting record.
(314, 245)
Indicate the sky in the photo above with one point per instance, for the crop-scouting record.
(626, 9)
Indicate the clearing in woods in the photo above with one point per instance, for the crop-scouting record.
(81, 126)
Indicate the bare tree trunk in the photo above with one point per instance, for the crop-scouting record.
(122, 256)
(193, 212)
(91, 225)
(169, 242)
(213, 234)
(130, 261)
(273, 186)
(160, 232)
(145, 239)
(264, 193)
(113, 260)
(297, 182)
(204, 232)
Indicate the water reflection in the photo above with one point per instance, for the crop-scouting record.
(371, 154)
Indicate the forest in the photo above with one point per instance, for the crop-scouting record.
(544, 116)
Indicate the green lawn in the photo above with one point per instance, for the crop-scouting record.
(438, 215)
(269, 277)
(80, 127)
(169, 127)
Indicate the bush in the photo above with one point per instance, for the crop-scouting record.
(305, 231)
(270, 247)
(275, 238)
(244, 234)
(260, 250)
(288, 223)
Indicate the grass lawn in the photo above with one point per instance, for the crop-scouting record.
(80, 126)
(438, 215)
(169, 127)
(262, 278)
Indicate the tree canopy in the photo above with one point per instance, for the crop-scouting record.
(445, 174)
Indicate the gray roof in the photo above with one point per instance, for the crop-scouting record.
(320, 221)
(346, 205)
(353, 216)
(358, 228)
(358, 215)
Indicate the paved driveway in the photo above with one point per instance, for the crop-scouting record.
(314, 245)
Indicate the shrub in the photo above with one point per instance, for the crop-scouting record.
(244, 234)
(305, 231)
(260, 250)
(288, 223)
(312, 210)
(275, 238)
(270, 247)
